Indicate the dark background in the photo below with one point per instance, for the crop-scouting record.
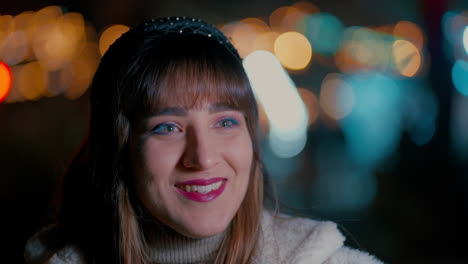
(419, 211)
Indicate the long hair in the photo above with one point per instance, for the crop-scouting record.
(138, 74)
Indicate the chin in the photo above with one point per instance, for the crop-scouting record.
(202, 227)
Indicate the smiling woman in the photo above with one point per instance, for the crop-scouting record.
(172, 171)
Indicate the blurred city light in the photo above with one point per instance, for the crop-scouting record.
(110, 35)
(336, 96)
(293, 50)
(14, 47)
(243, 35)
(420, 113)
(460, 76)
(266, 41)
(32, 80)
(281, 101)
(56, 44)
(312, 104)
(82, 70)
(5, 80)
(306, 7)
(373, 129)
(364, 48)
(324, 31)
(407, 57)
(453, 26)
(465, 39)
(285, 19)
(411, 32)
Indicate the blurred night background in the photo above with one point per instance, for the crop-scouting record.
(364, 108)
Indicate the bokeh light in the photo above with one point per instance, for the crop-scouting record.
(32, 80)
(14, 47)
(409, 31)
(243, 35)
(407, 57)
(281, 101)
(420, 113)
(306, 7)
(110, 35)
(312, 104)
(453, 26)
(285, 18)
(82, 70)
(5, 80)
(293, 50)
(364, 49)
(336, 96)
(56, 44)
(373, 129)
(465, 39)
(48, 15)
(324, 31)
(460, 76)
(266, 41)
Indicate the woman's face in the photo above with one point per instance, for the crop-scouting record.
(193, 167)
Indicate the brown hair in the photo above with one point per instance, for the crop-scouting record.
(135, 78)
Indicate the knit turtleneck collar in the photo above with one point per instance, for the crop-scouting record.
(168, 246)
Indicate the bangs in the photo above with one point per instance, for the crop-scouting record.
(192, 83)
(187, 72)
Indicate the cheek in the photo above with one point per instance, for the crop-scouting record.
(241, 154)
(157, 161)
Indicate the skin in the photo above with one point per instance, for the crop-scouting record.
(178, 145)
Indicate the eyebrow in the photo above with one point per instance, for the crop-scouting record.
(182, 111)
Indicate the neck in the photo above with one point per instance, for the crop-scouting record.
(167, 246)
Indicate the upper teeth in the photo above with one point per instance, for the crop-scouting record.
(201, 188)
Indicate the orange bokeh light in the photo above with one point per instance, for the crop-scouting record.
(110, 35)
(407, 57)
(286, 18)
(411, 32)
(293, 50)
(5, 80)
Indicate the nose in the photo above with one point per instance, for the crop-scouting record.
(200, 151)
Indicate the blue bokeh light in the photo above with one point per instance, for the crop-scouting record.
(420, 113)
(373, 129)
(460, 76)
(324, 32)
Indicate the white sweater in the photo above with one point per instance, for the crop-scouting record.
(288, 239)
(283, 239)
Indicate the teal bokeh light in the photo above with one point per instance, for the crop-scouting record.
(460, 76)
(324, 31)
(373, 129)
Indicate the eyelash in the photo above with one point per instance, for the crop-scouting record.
(231, 122)
(172, 128)
(157, 129)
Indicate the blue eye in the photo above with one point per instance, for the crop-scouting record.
(227, 122)
(165, 129)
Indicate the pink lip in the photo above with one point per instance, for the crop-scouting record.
(202, 197)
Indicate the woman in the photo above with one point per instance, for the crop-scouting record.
(172, 171)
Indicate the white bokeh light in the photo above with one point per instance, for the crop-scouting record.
(281, 101)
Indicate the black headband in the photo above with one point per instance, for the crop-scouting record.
(183, 26)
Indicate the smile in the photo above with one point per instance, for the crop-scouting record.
(201, 190)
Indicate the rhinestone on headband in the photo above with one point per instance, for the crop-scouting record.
(185, 26)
